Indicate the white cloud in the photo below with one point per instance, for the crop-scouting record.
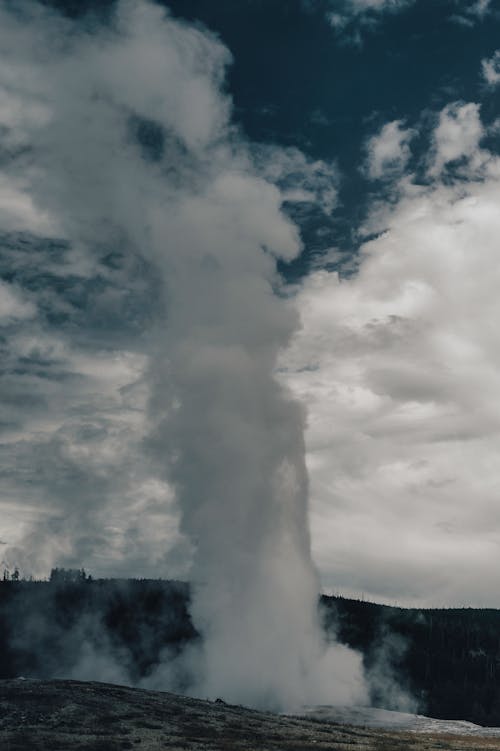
(19, 212)
(491, 69)
(300, 179)
(399, 366)
(479, 8)
(13, 304)
(457, 137)
(361, 14)
(471, 11)
(358, 6)
(388, 151)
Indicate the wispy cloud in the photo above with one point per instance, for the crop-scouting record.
(457, 137)
(351, 18)
(388, 151)
(470, 12)
(490, 68)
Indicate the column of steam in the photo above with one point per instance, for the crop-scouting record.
(238, 465)
(195, 209)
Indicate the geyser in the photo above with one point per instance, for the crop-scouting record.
(191, 201)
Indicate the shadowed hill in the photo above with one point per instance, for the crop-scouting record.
(75, 716)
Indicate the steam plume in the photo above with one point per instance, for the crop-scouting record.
(131, 148)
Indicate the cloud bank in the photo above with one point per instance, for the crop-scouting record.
(399, 367)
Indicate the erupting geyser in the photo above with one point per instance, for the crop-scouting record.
(134, 152)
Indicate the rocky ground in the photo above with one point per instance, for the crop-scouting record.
(75, 716)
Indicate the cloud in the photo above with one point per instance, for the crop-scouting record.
(12, 305)
(77, 481)
(472, 11)
(351, 17)
(398, 365)
(301, 180)
(388, 151)
(18, 212)
(491, 69)
(480, 8)
(457, 137)
(76, 477)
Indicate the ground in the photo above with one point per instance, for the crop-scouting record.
(76, 716)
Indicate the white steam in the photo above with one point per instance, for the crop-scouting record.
(130, 148)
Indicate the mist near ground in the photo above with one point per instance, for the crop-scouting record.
(441, 663)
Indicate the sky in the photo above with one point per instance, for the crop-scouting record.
(364, 137)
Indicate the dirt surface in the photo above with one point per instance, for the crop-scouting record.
(75, 716)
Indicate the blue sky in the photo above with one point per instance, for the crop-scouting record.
(354, 145)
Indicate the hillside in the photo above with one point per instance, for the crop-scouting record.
(75, 716)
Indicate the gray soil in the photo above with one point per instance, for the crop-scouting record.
(75, 716)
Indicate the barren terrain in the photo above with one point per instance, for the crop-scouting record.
(76, 716)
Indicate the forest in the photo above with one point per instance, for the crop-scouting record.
(447, 659)
(440, 662)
